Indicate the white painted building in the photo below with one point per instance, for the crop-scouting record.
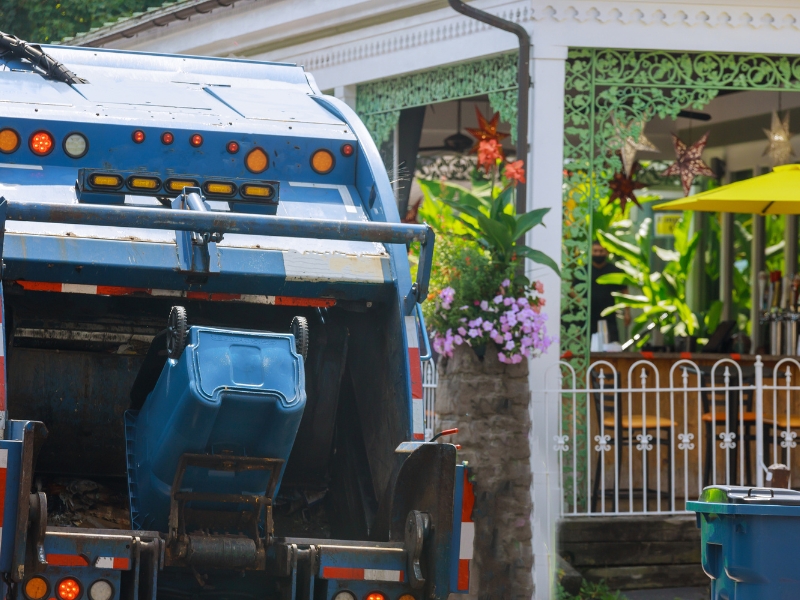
(347, 44)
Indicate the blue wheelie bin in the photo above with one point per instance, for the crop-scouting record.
(750, 540)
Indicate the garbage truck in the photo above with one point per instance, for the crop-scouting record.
(211, 342)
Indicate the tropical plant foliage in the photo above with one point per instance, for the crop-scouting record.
(661, 301)
(48, 21)
(487, 216)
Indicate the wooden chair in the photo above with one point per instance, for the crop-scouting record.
(605, 400)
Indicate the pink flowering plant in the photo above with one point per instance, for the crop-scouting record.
(479, 294)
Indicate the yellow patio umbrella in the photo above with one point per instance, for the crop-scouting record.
(775, 193)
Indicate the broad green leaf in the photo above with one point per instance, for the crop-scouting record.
(537, 256)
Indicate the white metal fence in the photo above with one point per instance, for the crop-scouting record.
(430, 379)
(646, 440)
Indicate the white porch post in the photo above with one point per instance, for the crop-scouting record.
(545, 168)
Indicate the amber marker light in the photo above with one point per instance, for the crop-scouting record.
(264, 192)
(256, 161)
(322, 162)
(148, 184)
(219, 188)
(233, 147)
(196, 140)
(69, 589)
(406, 597)
(100, 180)
(9, 141)
(167, 138)
(177, 185)
(138, 136)
(36, 588)
(41, 143)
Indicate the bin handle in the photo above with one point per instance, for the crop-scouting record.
(428, 354)
(770, 490)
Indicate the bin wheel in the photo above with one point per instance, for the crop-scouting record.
(300, 333)
(176, 332)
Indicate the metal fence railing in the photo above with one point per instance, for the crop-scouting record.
(649, 438)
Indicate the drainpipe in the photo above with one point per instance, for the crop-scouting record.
(523, 81)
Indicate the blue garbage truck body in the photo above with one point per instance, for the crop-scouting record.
(210, 374)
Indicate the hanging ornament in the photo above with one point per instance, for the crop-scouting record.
(487, 130)
(779, 148)
(628, 145)
(688, 163)
(623, 188)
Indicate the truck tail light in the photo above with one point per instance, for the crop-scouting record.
(375, 596)
(109, 182)
(344, 595)
(149, 184)
(177, 185)
(322, 162)
(75, 145)
(256, 161)
(219, 188)
(41, 143)
(138, 136)
(68, 589)
(36, 588)
(261, 192)
(9, 141)
(196, 140)
(101, 590)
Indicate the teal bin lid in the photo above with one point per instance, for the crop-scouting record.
(741, 500)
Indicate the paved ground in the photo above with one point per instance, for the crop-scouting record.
(669, 594)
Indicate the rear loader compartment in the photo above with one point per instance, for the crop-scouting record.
(73, 360)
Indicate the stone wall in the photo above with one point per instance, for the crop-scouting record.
(488, 402)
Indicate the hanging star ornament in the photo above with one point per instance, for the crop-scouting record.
(779, 148)
(629, 145)
(623, 188)
(487, 130)
(688, 163)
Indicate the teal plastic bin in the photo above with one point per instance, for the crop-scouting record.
(750, 542)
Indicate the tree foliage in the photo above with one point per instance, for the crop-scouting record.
(48, 21)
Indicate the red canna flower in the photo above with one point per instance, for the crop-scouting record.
(489, 152)
(515, 171)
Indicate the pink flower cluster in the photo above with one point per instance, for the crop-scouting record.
(516, 325)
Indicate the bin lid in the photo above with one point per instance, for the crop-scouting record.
(733, 499)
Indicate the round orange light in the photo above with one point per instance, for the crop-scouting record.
(196, 140)
(406, 597)
(256, 161)
(41, 143)
(36, 588)
(69, 589)
(375, 596)
(322, 162)
(138, 136)
(9, 141)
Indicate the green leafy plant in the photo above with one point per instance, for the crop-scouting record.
(662, 300)
(590, 591)
(487, 216)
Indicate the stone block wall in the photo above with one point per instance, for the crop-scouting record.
(488, 402)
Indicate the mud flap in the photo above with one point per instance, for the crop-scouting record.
(425, 483)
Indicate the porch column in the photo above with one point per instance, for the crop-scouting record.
(347, 94)
(545, 166)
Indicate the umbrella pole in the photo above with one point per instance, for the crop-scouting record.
(757, 265)
(726, 266)
(790, 246)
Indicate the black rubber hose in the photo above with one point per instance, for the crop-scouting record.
(33, 53)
